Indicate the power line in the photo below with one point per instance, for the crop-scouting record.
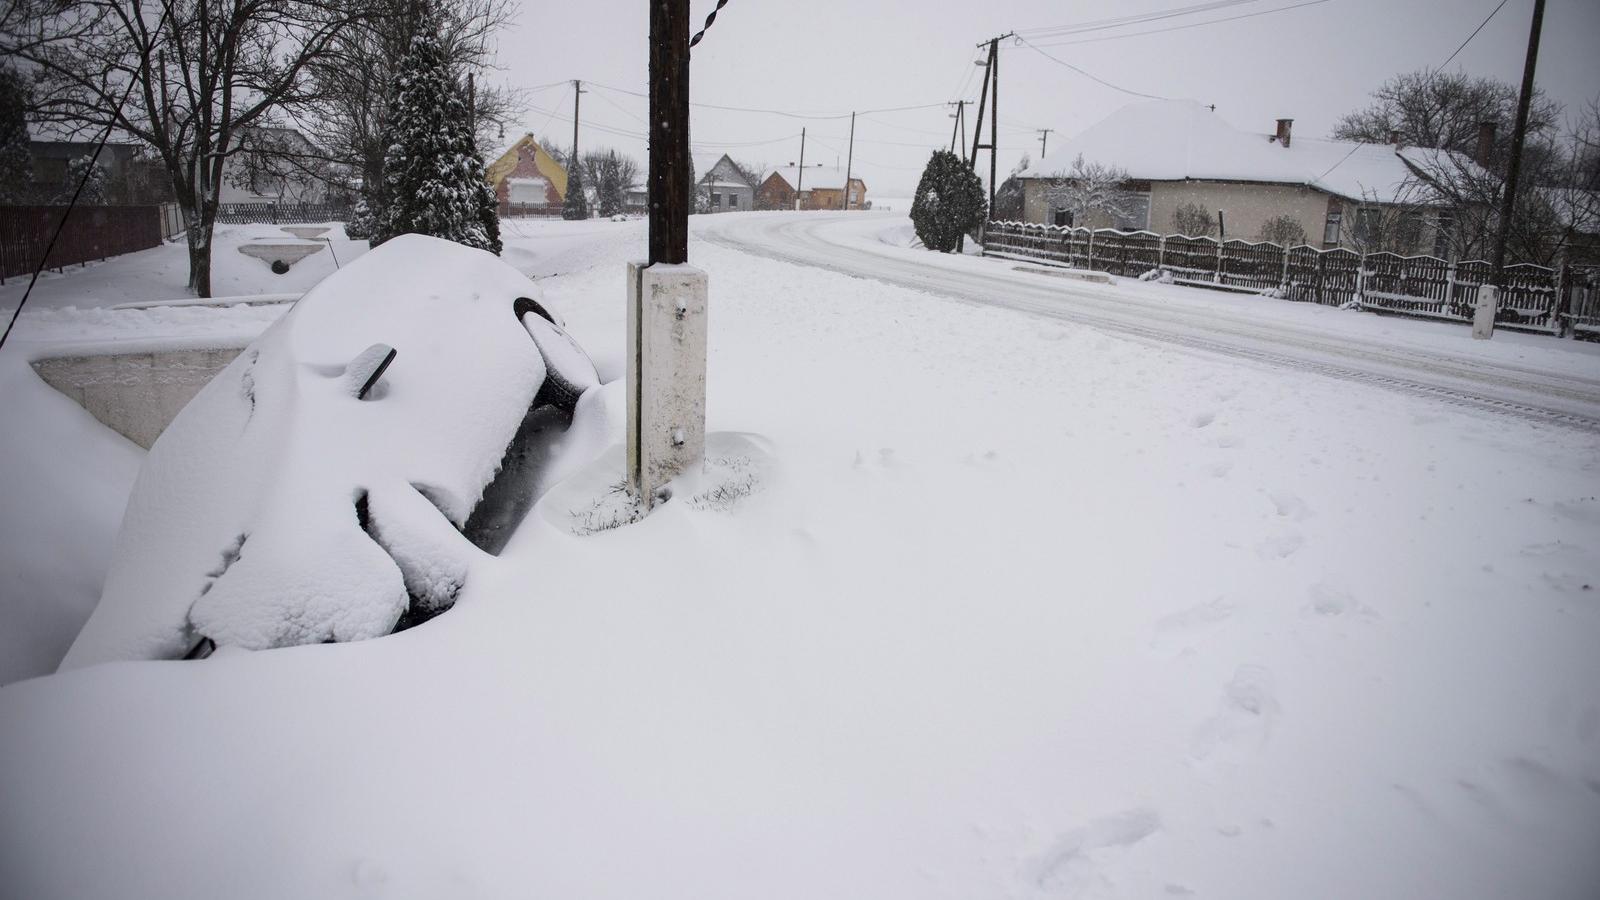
(1092, 77)
(1470, 37)
(1118, 37)
(1137, 19)
(775, 112)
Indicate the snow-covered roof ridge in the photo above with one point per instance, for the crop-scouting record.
(1177, 140)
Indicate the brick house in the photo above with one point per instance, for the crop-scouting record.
(526, 175)
(820, 188)
(1178, 152)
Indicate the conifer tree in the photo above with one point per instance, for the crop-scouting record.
(949, 202)
(576, 205)
(433, 175)
(16, 163)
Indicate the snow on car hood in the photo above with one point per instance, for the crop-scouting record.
(279, 509)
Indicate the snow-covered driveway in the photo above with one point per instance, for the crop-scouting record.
(1527, 375)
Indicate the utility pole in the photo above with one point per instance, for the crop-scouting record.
(960, 122)
(472, 108)
(666, 357)
(1044, 137)
(577, 92)
(991, 97)
(849, 160)
(800, 179)
(1487, 306)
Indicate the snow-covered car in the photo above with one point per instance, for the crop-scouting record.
(318, 488)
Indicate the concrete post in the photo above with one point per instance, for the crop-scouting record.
(666, 406)
(1483, 313)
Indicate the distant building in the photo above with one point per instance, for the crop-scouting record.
(725, 188)
(1178, 152)
(525, 175)
(130, 178)
(819, 187)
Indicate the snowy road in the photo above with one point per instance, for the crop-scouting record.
(1537, 378)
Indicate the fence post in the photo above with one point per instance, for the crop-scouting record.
(1161, 252)
(1216, 277)
(1090, 266)
(1283, 279)
(1361, 280)
(1558, 314)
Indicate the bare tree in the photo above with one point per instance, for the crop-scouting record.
(1092, 187)
(1284, 230)
(197, 74)
(1193, 220)
(1443, 110)
(354, 83)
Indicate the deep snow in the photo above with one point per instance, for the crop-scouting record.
(1013, 608)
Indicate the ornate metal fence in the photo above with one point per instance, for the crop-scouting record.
(1534, 296)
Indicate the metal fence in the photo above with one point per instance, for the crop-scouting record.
(89, 233)
(281, 213)
(509, 210)
(1535, 297)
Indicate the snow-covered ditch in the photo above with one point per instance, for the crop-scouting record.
(1011, 608)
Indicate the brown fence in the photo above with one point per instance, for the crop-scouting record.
(509, 210)
(1534, 296)
(281, 213)
(90, 233)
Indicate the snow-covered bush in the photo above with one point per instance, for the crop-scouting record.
(1284, 230)
(949, 202)
(1193, 220)
(280, 508)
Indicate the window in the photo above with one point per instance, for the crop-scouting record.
(716, 200)
(1062, 217)
(1330, 229)
(733, 201)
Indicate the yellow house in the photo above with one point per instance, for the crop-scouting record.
(526, 174)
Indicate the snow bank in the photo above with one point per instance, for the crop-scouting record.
(279, 509)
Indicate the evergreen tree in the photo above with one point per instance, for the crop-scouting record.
(433, 175)
(576, 205)
(16, 163)
(612, 188)
(94, 187)
(949, 202)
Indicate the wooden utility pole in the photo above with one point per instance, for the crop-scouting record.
(472, 108)
(849, 160)
(960, 123)
(800, 179)
(1489, 295)
(991, 96)
(669, 131)
(577, 92)
(1044, 137)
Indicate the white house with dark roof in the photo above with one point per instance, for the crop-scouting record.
(1179, 152)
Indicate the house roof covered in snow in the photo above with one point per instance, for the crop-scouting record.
(816, 177)
(1177, 140)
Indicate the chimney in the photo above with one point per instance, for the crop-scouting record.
(1485, 152)
(1394, 137)
(1284, 126)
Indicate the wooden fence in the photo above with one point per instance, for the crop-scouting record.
(1535, 297)
(281, 213)
(509, 210)
(90, 233)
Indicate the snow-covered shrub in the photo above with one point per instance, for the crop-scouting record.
(1284, 230)
(949, 202)
(576, 205)
(1193, 220)
(278, 508)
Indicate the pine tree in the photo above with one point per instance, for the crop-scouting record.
(576, 205)
(949, 202)
(433, 175)
(613, 193)
(94, 187)
(16, 163)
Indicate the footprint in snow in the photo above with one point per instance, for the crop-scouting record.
(1201, 420)
(1281, 545)
(1244, 719)
(1289, 506)
(1182, 629)
(1076, 860)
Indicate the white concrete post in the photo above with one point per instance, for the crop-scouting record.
(1483, 312)
(666, 406)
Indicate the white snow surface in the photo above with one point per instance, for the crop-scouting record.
(243, 525)
(1011, 606)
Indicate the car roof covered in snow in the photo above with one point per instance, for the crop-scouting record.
(1176, 140)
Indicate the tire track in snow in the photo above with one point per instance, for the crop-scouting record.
(1540, 397)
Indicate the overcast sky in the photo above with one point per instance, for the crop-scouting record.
(1311, 63)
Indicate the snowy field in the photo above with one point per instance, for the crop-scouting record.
(1013, 606)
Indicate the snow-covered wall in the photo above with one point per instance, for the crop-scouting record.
(135, 394)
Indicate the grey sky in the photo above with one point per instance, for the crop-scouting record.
(830, 56)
